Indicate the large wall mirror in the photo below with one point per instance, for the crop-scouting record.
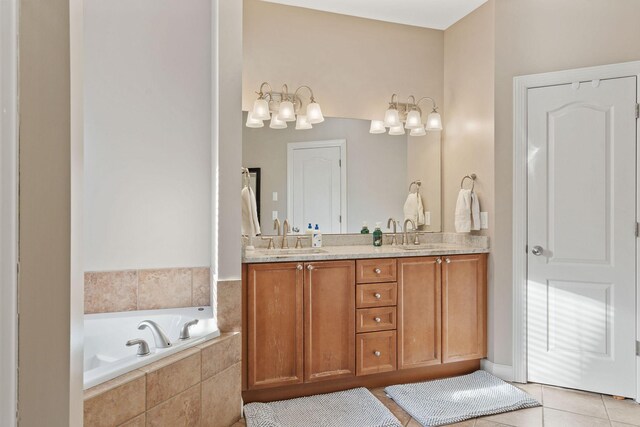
(339, 176)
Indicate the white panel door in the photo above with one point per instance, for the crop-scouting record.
(316, 187)
(581, 236)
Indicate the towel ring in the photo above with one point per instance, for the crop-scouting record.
(472, 177)
(417, 183)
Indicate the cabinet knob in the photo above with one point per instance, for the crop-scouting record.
(439, 260)
(377, 295)
(299, 267)
(377, 271)
(377, 353)
(448, 261)
(309, 267)
(377, 319)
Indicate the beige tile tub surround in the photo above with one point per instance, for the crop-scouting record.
(230, 305)
(113, 291)
(199, 386)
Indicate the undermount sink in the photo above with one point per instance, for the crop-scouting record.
(416, 247)
(287, 252)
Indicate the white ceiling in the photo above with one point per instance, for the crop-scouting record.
(438, 14)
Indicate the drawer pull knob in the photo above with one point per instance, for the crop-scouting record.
(377, 319)
(377, 271)
(377, 353)
(377, 295)
(439, 261)
(299, 267)
(448, 261)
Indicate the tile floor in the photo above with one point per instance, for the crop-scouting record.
(561, 408)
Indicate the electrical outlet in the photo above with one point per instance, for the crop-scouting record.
(275, 196)
(427, 218)
(274, 215)
(484, 220)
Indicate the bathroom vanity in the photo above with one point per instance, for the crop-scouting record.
(353, 316)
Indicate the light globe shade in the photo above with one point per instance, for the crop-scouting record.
(302, 123)
(392, 118)
(314, 113)
(261, 109)
(276, 123)
(419, 131)
(253, 123)
(434, 121)
(377, 126)
(286, 112)
(396, 130)
(413, 120)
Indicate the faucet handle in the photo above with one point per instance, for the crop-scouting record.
(416, 239)
(270, 239)
(299, 241)
(184, 333)
(143, 347)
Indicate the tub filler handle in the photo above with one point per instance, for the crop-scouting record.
(158, 334)
(143, 347)
(184, 333)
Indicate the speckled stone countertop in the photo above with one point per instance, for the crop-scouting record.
(355, 247)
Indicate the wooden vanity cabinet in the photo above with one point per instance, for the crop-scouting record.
(464, 307)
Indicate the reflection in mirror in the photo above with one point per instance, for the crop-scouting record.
(339, 176)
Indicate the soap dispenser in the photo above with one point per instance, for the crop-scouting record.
(365, 228)
(316, 238)
(377, 235)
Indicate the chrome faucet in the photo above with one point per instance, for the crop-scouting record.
(184, 332)
(405, 238)
(276, 225)
(285, 231)
(394, 236)
(158, 334)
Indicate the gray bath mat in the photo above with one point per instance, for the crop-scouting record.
(451, 400)
(350, 408)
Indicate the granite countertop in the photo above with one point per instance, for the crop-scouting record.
(261, 255)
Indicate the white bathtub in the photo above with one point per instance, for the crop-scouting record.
(105, 354)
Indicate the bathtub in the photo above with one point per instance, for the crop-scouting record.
(105, 354)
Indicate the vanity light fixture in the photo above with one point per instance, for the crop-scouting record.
(410, 115)
(283, 107)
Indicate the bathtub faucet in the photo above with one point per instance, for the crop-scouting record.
(158, 334)
(184, 333)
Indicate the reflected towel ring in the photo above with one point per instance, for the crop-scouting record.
(472, 177)
(417, 183)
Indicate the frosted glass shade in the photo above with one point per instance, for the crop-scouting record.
(413, 120)
(434, 121)
(314, 113)
(419, 131)
(276, 123)
(286, 112)
(396, 130)
(261, 109)
(253, 123)
(392, 118)
(377, 126)
(302, 123)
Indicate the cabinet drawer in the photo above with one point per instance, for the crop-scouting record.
(375, 352)
(376, 295)
(375, 319)
(375, 270)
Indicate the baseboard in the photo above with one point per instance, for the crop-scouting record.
(504, 372)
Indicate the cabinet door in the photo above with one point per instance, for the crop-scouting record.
(464, 295)
(418, 312)
(329, 320)
(275, 325)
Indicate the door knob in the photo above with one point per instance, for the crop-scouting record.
(299, 267)
(537, 250)
(309, 267)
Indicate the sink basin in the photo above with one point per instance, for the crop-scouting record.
(417, 247)
(289, 252)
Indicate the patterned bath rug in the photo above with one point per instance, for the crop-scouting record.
(351, 408)
(451, 400)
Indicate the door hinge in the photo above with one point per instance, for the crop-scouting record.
(637, 229)
(340, 219)
(340, 160)
(637, 111)
(637, 348)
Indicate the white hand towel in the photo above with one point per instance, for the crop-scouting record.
(414, 209)
(463, 212)
(475, 211)
(250, 223)
(420, 220)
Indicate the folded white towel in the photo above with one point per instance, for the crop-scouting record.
(463, 212)
(250, 222)
(475, 211)
(414, 209)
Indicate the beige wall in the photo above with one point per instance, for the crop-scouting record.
(468, 136)
(352, 64)
(534, 36)
(45, 209)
